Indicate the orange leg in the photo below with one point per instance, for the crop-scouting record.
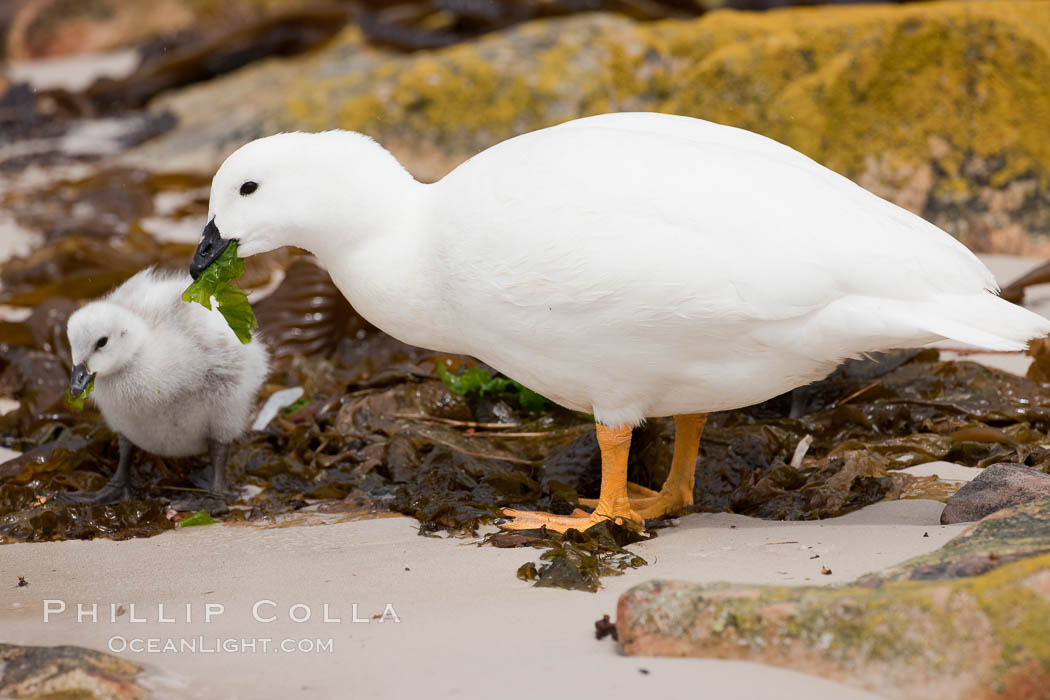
(613, 504)
(677, 491)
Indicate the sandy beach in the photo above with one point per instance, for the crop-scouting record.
(468, 628)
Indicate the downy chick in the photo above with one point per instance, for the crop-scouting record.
(170, 377)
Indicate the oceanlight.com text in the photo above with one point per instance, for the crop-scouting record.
(219, 645)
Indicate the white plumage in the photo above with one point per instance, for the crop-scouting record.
(628, 265)
(171, 377)
(631, 264)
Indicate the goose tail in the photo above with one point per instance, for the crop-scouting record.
(984, 320)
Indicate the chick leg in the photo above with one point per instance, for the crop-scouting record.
(220, 453)
(615, 444)
(677, 491)
(213, 500)
(117, 489)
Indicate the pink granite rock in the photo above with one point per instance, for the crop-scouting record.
(998, 486)
(967, 621)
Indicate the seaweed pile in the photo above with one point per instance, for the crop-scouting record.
(383, 426)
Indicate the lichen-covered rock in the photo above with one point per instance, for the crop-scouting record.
(997, 487)
(940, 107)
(973, 638)
(51, 27)
(944, 625)
(1009, 535)
(67, 672)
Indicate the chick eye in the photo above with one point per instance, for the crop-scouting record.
(249, 187)
(101, 342)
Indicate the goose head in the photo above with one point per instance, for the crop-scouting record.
(322, 192)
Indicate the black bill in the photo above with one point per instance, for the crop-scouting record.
(210, 248)
(80, 379)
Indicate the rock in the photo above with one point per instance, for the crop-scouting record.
(44, 28)
(896, 641)
(998, 486)
(41, 28)
(928, 628)
(54, 27)
(919, 103)
(67, 671)
(1010, 535)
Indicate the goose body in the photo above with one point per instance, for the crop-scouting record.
(650, 265)
(628, 265)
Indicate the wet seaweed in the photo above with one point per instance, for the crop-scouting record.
(307, 315)
(82, 267)
(575, 560)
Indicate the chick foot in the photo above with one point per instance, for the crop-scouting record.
(214, 500)
(117, 489)
(112, 492)
(212, 503)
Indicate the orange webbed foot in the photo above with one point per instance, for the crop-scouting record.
(579, 520)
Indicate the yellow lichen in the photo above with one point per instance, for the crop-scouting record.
(922, 622)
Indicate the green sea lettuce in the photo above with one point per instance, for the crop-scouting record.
(77, 402)
(479, 381)
(197, 519)
(217, 281)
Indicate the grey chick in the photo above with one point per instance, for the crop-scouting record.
(170, 377)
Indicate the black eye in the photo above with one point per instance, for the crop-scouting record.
(249, 187)
(101, 342)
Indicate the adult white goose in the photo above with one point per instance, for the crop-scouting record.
(627, 265)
